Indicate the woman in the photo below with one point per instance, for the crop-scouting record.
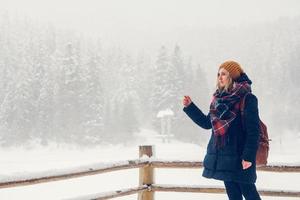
(231, 151)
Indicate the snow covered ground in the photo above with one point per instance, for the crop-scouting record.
(20, 161)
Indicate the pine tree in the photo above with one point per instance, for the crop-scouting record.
(69, 107)
(18, 114)
(126, 104)
(44, 88)
(178, 79)
(142, 85)
(163, 92)
(93, 98)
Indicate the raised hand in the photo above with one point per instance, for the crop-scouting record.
(187, 101)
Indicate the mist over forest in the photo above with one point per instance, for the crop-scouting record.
(59, 85)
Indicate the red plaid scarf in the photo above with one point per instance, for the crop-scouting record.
(224, 108)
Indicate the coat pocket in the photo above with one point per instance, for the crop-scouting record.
(227, 163)
(210, 161)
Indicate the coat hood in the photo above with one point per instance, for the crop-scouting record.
(243, 78)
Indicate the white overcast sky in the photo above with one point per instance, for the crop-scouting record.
(129, 20)
(154, 13)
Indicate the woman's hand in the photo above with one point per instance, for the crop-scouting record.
(187, 101)
(246, 164)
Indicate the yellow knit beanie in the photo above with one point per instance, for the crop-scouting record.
(233, 68)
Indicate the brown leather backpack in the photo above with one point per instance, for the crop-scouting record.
(263, 147)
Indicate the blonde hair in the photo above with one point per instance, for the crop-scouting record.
(228, 87)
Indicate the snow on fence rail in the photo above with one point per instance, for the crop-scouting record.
(118, 193)
(63, 174)
(146, 188)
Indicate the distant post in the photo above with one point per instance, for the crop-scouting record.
(146, 176)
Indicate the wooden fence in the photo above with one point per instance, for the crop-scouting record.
(147, 187)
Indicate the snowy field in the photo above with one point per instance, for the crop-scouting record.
(21, 161)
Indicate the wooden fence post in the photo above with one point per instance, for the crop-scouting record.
(146, 175)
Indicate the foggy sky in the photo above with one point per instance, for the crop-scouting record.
(143, 26)
(149, 17)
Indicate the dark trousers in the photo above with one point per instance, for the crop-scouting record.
(236, 191)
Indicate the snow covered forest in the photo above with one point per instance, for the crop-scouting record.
(58, 85)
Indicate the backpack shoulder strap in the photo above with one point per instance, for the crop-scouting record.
(242, 109)
(242, 103)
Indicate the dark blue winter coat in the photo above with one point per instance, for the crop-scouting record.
(225, 163)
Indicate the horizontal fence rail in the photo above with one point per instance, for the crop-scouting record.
(147, 187)
(114, 194)
(36, 178)
(197, 189)
(178, 188)
(197, 164)
(216, 189)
